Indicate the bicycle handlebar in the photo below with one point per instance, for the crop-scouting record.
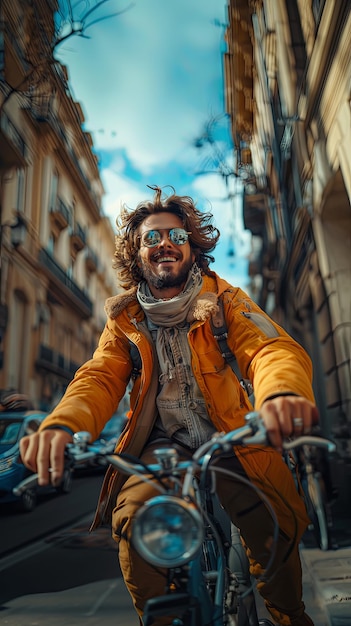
(252, 433)
(255, 433)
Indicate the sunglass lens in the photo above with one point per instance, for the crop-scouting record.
(179, 236)
(151, 238)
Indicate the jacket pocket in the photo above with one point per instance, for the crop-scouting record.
(262, 323)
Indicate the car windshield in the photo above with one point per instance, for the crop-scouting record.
(9, 431)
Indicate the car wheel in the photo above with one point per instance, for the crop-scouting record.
(66, 483)
(28, 501)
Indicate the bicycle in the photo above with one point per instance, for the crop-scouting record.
(185, 530)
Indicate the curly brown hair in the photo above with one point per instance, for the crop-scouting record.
(203, 237)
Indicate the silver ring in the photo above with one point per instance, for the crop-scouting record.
(298, 422)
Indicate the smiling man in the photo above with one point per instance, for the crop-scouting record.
(165, 260)
(183, 391)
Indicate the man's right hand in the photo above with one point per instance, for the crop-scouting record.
(44, 453)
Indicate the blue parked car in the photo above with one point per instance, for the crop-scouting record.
(112, 430)
(14, 425)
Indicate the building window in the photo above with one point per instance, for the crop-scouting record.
(20, 191)
(2, 54)
(53, 191)
(51, 244)
(317, 8)
(70, 269)
(19, 339)
(44, 317)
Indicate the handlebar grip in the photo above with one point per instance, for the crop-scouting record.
(27, 483)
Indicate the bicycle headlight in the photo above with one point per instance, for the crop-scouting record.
(167, 531)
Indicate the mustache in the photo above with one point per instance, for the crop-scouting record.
(165, 278)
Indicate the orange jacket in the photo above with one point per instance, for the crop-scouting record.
(266, 354)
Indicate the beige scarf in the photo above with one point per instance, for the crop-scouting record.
(164, 315)
(171, 312)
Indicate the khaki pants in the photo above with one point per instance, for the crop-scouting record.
(282, 590)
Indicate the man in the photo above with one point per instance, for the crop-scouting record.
(186, 391)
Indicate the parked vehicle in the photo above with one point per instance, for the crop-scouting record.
(104, 444)
(13, 426)
(111, 431)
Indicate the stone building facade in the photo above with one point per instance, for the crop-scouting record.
(56, 244)
(288, 94)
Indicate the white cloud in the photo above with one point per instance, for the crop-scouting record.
(149, 81)
(150, 75)
(121, 190)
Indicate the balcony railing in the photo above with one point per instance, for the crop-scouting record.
(42, 111)
(78, 237)
(91, 260)
(255, 208)
(59, 275)
(55, 362)
(60, 213)
(12, 135)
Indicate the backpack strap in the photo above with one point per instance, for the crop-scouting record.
(220, 333)
(136, 360)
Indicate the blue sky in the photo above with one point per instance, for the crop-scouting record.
(149, 82)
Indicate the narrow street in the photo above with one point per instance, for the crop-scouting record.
(56, 572)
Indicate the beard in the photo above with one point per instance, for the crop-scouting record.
(165, 278)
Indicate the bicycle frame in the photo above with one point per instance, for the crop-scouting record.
(207, 591)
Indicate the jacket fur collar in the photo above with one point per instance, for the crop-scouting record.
(204, 306)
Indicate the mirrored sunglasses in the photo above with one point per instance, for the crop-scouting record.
(152, 238)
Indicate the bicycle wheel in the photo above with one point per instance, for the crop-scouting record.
(239, 605)
(211, 582)
(239, 566)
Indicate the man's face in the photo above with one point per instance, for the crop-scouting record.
(166, 265)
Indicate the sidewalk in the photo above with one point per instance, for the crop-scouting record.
(327, 577)
(327, 585)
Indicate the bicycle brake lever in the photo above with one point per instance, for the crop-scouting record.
(253, 432)
(310, 440)
(259, 436)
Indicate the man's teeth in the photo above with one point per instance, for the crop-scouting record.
(162, 259)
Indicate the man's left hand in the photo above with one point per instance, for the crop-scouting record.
(286, 416)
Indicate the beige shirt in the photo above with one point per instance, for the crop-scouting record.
(183, 416)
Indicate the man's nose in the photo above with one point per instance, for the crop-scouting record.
(165, 240)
